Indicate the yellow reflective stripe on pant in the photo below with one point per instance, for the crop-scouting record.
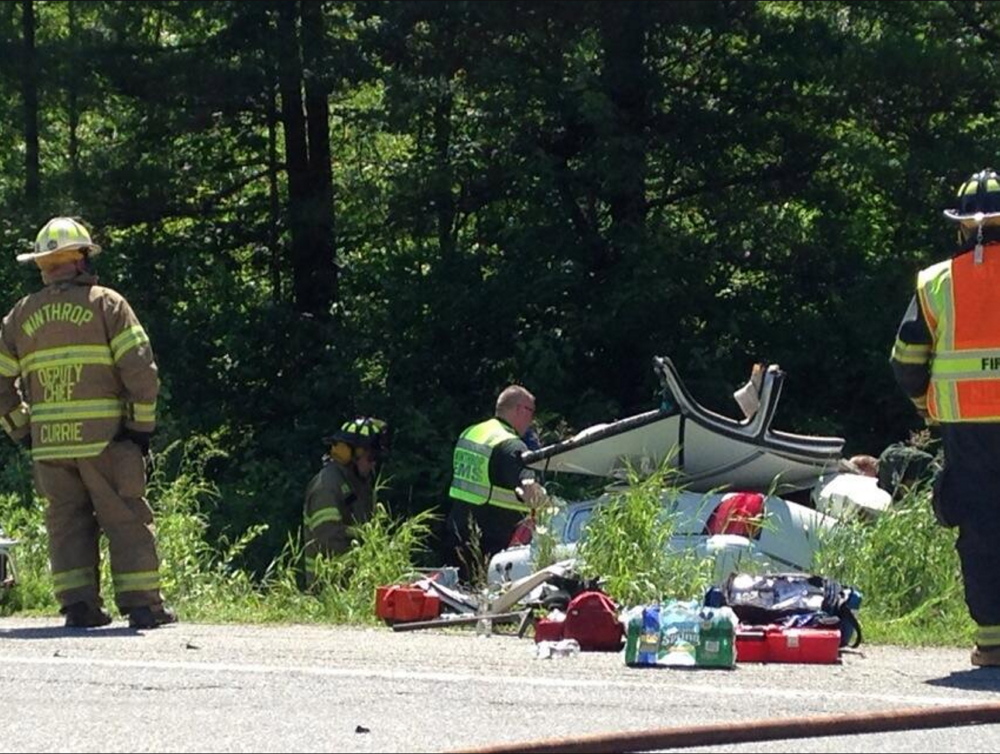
(313, 562)
(987, 636)
(137, 581)
(63, 581)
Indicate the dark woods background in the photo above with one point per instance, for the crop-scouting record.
(320, 209)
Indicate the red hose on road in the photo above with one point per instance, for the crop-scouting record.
(759, 730)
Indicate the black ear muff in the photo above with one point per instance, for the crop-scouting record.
(341, 452)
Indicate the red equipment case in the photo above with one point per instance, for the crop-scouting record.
(399, 604)
(777, 644)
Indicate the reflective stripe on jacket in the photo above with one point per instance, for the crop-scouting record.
(958, 300)
(77, 365)
(471, 473)
(337, 500)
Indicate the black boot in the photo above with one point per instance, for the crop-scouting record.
(85, 615)
(150, 617)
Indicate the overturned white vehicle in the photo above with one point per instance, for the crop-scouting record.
(729, 470)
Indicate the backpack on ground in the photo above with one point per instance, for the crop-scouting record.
(592, 619)
(799, 600)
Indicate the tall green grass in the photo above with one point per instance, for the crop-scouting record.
(907, 569)
(25, 523)
(199, 571)
(902, 561)
(626, 546)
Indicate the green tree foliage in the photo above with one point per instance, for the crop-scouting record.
(395, 208)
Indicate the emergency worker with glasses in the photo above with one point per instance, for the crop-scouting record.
(491, 487)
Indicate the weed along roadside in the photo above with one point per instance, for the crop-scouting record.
(670, 554)
(656, 610)
(663, 571)
(625, 598)
(646, 540)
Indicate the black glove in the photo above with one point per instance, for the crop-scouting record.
(139, 438)
(25, 442)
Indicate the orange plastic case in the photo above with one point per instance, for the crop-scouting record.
(400, 604)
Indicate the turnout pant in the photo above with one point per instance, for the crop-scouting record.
(85, 497)
(967, 493)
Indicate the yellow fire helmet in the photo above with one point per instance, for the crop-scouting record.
(978, 198)
(363, 432)
(60, 234)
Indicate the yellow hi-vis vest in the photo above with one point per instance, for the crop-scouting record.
(958, 301)
(471, 480)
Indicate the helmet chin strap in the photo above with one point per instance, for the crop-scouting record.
(978, 256)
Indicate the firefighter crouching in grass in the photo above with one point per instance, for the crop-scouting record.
(342, 494)
(78, 388)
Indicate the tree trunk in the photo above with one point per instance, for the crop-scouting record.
(323, 283)
(29, 93)
(73, 104)
(296, 150)
(626, 82)
(313, 272)
(273, 196)
(444, 197)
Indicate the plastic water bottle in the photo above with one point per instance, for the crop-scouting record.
(642, 637)
(566, 648)
(716, 646)
(484, 626)
(546, 650)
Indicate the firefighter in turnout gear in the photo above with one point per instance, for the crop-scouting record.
(78, 388)
(946, 358)
(342, 494)
(491, 487)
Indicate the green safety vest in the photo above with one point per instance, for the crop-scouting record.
(471, 480)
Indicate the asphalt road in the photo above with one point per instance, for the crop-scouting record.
(230, 688)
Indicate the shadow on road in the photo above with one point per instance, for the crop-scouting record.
(59, 632)
(976, 679)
